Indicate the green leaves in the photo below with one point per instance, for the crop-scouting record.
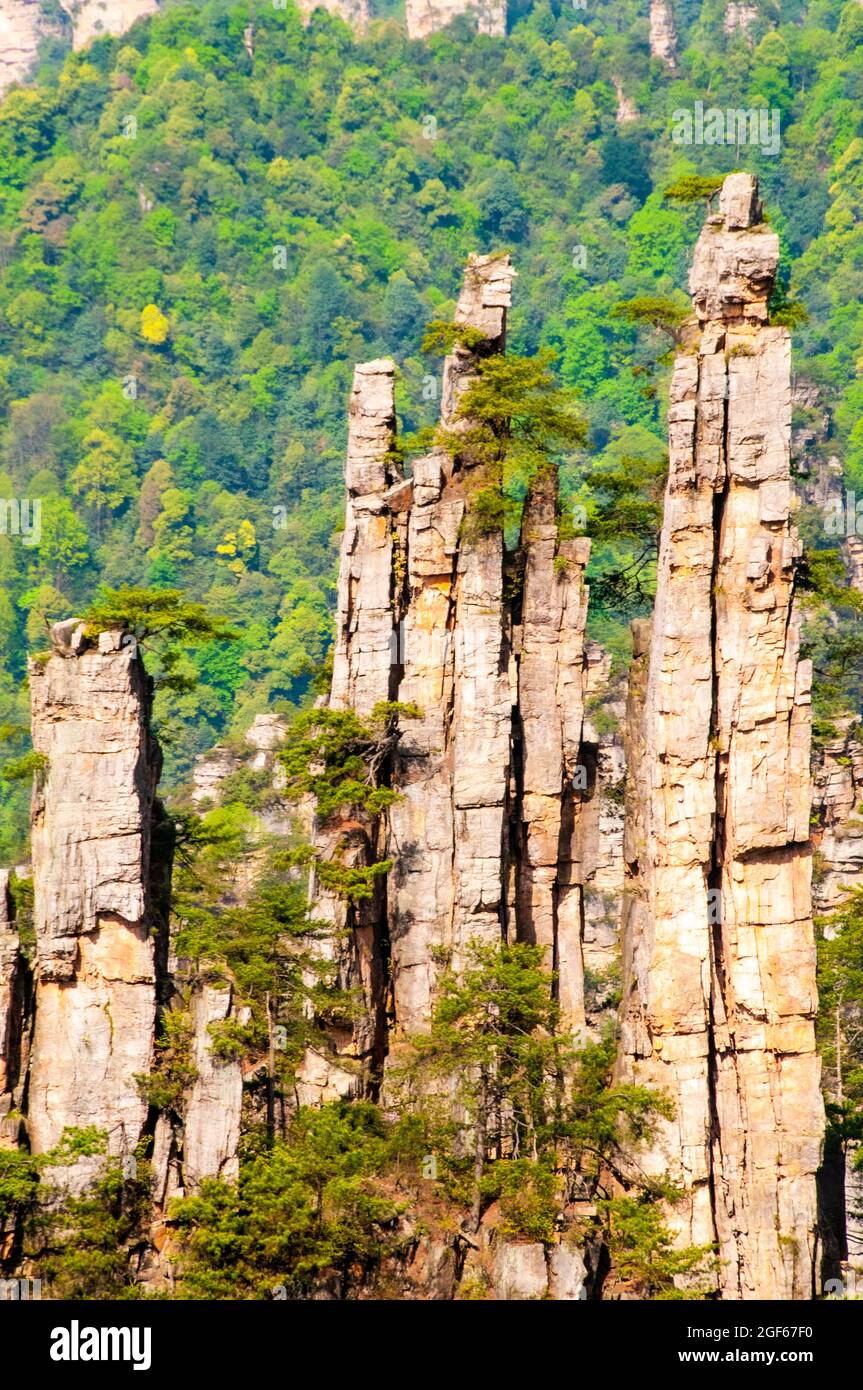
(441, 337)
(695, 188)
(312, 1205)
(147, 613)
(664, 312)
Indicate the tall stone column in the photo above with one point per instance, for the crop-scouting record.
(95, 917)
(484, 835)
(663, 33)
(364, 675)
(551, 688)
(13, 1002)
(720, 993)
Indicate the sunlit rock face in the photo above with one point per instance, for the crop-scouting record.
(493, 834)
(663, 33)
(94, 913)
(720, 991)
(92, 19)
(424, 17)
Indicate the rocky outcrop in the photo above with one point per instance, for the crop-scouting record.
(96, 915)
(13, 1007)
(424, 17)
(92, 19)
(363, 663)
(364, 675)
(663, 33)
(491, 837)
(720, 988)
(599, 862)
(21, 31)
(739, 16)
(627, 111)
(550, 702)
(838, 795)
(353, 12)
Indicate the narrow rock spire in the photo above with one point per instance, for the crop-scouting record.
(484, 836)
(551, 687)
(96, 958)
(719, 995)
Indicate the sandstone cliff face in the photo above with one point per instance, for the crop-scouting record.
(663, 33)
(424, 17)
(720, 991)
(487, 775)
(838, 793)
(14, 993)
(490, 836)
(93, 811)
(353, 12)
(23, 25)
(91, 19)
(739, 15)
(21, 29)
(363, 676)
(211, 1129)
(551, 689)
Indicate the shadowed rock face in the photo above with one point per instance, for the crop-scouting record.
(93, 812)
(13, 999)
(720, 991)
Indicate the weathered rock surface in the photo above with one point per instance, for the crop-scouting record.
(663, 33)
(91, 19)
(353, 12)
(364, 675)
(627, 110)
(363, 655)
(13, 1005)
(739, 15)
(93, 813)
(211, 1120)
(490, 836)
(720, 986)
(21, 30)
(838, 794)
(598, 858)
(550, 699)
(424, 17)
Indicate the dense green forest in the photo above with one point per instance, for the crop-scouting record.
(196, 247)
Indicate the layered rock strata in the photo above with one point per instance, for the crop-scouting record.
(720, 986)
(487, 835)
(94, 910)
(21, 31)
(14, 998)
